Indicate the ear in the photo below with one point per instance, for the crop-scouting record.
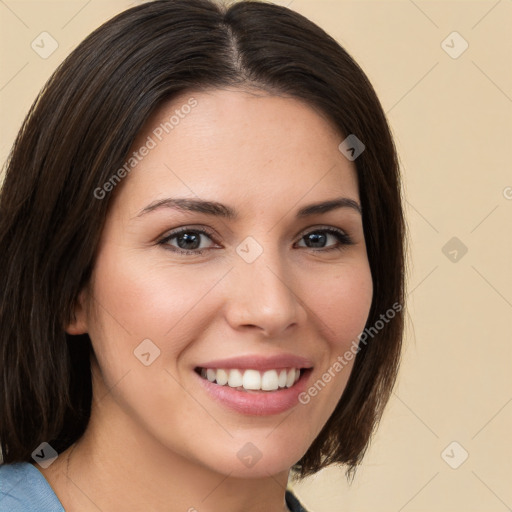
(78, 324)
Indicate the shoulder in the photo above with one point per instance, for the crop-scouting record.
(24, 488)
(293, 503)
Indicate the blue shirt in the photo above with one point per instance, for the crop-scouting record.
(23, 488)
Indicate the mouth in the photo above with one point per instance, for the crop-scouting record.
(255, 385)
(253, 381)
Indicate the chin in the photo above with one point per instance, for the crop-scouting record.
(258, 459)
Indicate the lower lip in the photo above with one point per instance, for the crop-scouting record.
(257, 403)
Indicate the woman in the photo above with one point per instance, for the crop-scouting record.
(201, 242)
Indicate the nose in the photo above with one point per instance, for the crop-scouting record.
(261, 296)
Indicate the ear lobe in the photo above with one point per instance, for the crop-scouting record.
(78, 324)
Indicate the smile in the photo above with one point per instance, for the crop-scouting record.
(250, 379)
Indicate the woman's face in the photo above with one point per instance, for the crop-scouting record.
(264, 289)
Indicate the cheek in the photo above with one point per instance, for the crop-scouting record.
(340, 306)
(138, 299)
(342, 303)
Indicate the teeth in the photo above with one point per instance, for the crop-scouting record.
(253, 380)
(222, 377)
(269, 381)
(290, 379)
(235, 378)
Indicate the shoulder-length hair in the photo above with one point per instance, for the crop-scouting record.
(80, 129)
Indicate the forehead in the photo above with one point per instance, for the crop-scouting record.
(245, 145)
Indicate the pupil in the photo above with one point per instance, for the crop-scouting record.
(188, 239)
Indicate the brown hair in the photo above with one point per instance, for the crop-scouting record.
(80, 129)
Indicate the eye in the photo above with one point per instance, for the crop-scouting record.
(319, 237)
(187, 239)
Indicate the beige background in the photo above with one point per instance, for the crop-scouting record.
(452, 119)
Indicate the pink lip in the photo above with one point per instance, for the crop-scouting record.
(258, 362)
(257, 403)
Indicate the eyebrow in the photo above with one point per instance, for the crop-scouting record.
(222, 210)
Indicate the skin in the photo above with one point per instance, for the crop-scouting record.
(156, 440)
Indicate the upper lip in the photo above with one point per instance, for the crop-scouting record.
(259, 362)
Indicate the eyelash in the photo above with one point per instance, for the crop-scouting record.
(342, 237)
